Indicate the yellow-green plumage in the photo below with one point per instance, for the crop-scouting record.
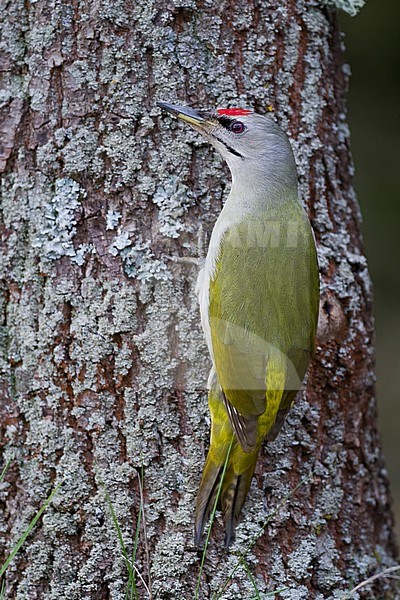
(262, 341)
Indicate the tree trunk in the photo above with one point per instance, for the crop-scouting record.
(104, 362)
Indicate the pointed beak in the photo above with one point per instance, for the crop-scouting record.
(185, 113)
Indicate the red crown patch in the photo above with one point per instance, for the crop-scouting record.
(234, 112)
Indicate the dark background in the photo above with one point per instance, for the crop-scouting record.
(372, 41)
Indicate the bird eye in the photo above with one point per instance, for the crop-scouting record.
(237, 127)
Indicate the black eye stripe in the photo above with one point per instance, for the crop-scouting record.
(225, 121)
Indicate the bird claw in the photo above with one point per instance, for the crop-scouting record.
(185, 260)
(201, 252)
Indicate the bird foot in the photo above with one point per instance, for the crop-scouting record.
(201, 252)
(186, 260)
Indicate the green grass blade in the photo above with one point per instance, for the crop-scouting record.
(254, 584)
(251, 578)
(4, 471)
(116, 526)
(203, 558)
(31, 525)
(259, 533)
(132, 590)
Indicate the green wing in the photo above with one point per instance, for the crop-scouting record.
(263, 313)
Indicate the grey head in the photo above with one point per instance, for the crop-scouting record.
(252, 144)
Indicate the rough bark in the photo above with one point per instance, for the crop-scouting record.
(104, 363)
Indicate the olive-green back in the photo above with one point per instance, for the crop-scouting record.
(263, 309)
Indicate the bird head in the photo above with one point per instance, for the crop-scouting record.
(249, 142)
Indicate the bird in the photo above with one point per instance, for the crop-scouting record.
(258, 293)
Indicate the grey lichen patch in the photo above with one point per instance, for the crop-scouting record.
(138, 259)
(299, 592)
(120, 242)
(99, 312)
(154, 344)
(177, 479)
(123, 360)
(350, 6)
(120, 148)
(47, 156)
(112, 219)
(328, 574)
(158, 380)
(12, 43)
(38, 555)
(81, 152)
(81, 253)
(57, 224)
(82, 74)
(124, 308)
(169, 564)
(142, 438)
(301, 559)
(173, 200)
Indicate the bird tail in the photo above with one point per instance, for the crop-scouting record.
(206, 496)
(234, 491)
(225, 459)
